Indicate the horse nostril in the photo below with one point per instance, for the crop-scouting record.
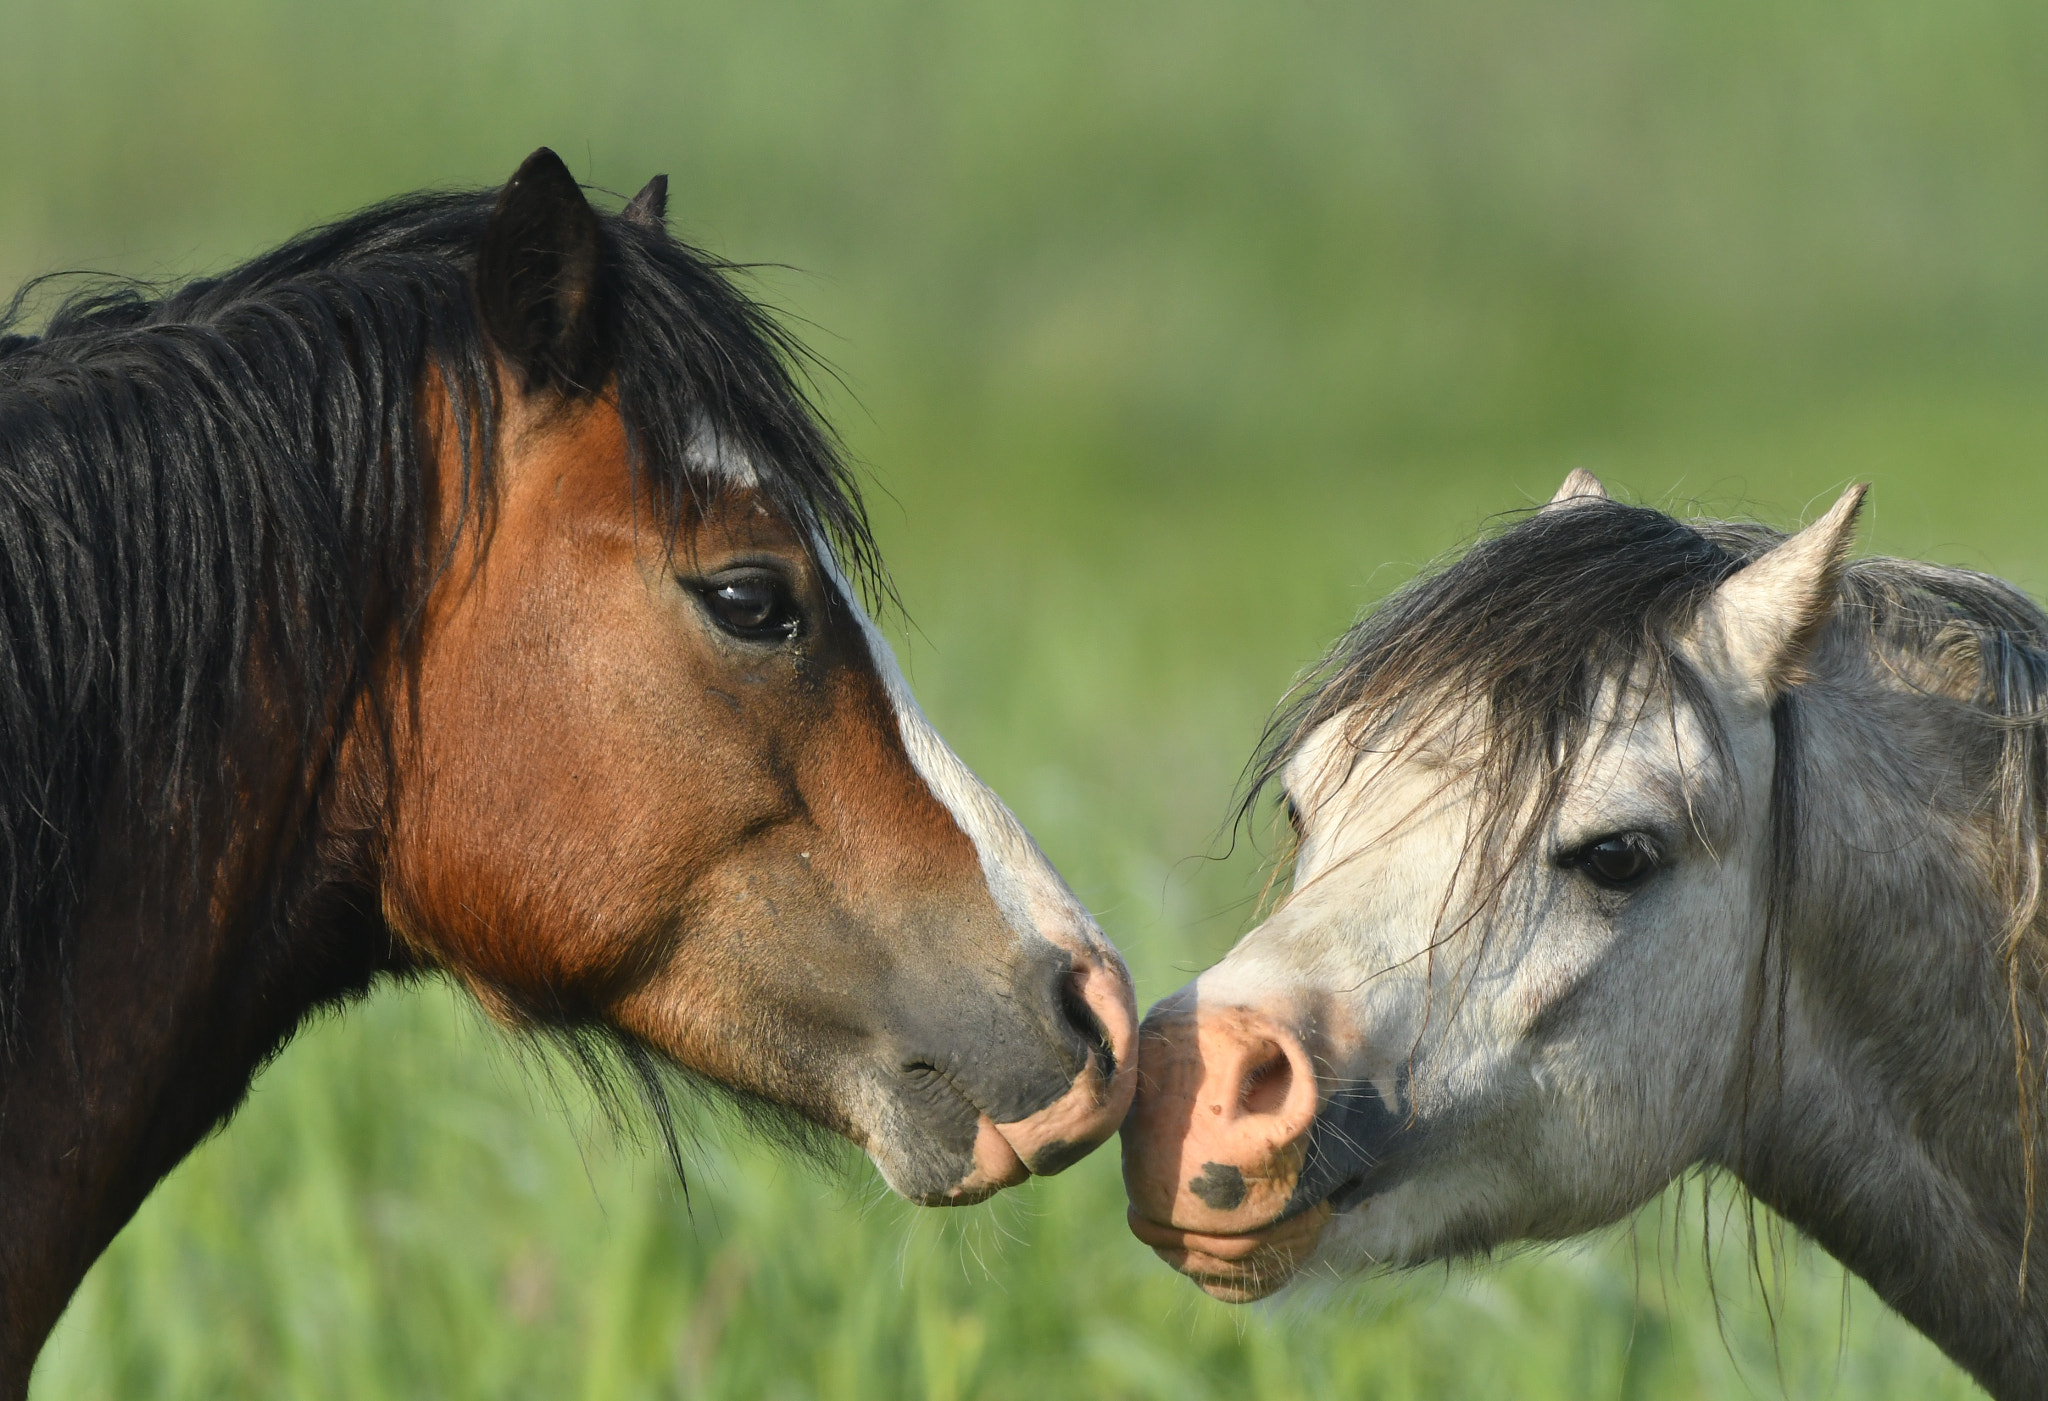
(1077, 1014)
(1267, 1083)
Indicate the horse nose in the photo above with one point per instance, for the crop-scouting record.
(1216, 1139)
(1096, 1007)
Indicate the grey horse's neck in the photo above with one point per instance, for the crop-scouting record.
(1883, 1115)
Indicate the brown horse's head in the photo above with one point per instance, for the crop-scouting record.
(654, 770)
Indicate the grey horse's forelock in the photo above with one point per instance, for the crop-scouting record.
(1514, 644)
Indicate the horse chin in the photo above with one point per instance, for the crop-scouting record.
(1241, 1267)
(997, 1157)
(994, 1166)
(935, 1158)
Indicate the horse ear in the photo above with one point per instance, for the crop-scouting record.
(649, 208)
(1581, 485)
(538, 278)
(1763, 621)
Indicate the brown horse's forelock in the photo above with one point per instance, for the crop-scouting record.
(235, 468)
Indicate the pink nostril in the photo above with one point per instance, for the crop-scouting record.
(1250, 1083)
(1268, 1083)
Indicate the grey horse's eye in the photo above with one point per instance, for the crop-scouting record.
(1618, 862)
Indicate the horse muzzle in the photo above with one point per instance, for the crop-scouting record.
(1028, 1090)
(1236, 1156)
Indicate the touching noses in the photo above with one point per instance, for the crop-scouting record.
(1217, 1136)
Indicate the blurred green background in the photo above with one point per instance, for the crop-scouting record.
(1170, 335)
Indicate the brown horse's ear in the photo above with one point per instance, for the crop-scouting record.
(1581, 485)
(1760, 626)
(650, 207)
(539, 275)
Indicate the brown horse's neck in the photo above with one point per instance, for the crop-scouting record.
(141, 1045)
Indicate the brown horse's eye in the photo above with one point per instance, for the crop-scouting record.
(756, 607)
(1618, 862)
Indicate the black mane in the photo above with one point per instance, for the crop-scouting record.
(232, 469)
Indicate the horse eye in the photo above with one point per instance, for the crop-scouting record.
(756, 607)
(1617, 862)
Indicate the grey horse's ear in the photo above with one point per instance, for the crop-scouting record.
(1581, 485)
(1760, 626)
(650, 206)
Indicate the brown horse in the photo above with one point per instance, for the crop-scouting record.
(454, 588)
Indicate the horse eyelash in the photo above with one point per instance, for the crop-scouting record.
(1634, 836)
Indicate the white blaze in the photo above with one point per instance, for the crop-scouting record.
(1022, 882)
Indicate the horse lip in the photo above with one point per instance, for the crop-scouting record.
(1156, 1233)
(1240, 1266)
(997, 1162)
(1229, 1245)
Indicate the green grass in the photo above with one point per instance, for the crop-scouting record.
(398, 1214)
(1172, 334)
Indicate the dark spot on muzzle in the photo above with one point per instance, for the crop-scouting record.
(1220, 1185)
(1360, 1145)
(1058, 1156)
